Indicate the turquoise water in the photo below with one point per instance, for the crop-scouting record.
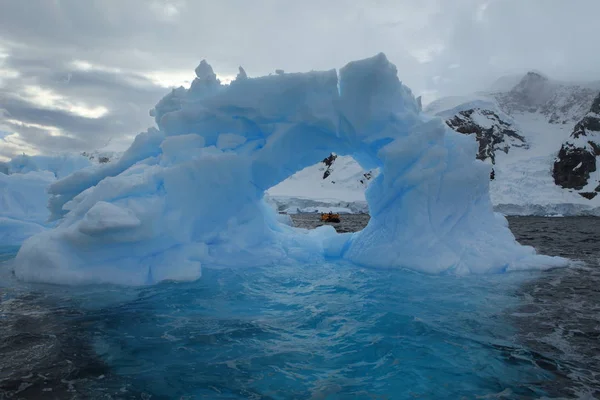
(333, 331)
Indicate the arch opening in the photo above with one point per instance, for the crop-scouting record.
(335, 184)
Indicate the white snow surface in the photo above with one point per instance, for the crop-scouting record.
(176, 199)
(343, 184)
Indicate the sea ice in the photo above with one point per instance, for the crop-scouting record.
(192, 191)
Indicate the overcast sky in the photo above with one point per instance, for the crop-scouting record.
(82, 74)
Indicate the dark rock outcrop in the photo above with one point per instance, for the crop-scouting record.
(328, 161)
(573, 166)
(588, 195)
(499, 135)
(577, 156)
(367, 177)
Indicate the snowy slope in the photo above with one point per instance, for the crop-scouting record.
(346, 181)
(336, 184)
(520, 130)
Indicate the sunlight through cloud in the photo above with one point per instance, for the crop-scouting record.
(48, 99)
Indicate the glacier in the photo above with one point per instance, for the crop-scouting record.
(191, 191)
(24, 181)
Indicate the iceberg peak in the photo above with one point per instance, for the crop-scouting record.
(241, 74)
(205, 72)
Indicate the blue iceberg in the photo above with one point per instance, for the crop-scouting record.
(24, 181)
(191, 191)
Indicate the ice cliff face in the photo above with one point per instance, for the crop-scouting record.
(577, 158)
(192, 191)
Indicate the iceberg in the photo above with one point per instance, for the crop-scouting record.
(191, 192)
(24, 181)
(59, 166)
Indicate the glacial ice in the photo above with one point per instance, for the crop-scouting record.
(192, 191)
(59, 165)
(24, 181)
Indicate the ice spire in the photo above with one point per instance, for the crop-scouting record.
(241, 75)
(205, 72)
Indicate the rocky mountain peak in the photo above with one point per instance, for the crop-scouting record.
(560, 102)
(531, 82)
(534, 76)
(533, 89)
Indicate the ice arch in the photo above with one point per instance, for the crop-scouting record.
(191, 192)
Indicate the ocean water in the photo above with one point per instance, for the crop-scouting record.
(328, 331)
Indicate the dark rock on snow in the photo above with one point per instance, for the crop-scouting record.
(577, 156)
(499, 136)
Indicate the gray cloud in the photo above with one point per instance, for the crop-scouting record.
(440, 48)
(126, 96)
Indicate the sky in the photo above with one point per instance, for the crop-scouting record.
(82, 75)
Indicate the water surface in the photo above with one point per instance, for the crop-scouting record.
(329, 331)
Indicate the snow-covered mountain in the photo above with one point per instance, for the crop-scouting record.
(577, 164)
(494, 131)
(560, 103)
(535, 131)
(337, 183)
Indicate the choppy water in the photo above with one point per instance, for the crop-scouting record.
(559, 313)
(330, 331)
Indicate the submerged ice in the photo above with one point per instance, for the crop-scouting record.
(192, 191)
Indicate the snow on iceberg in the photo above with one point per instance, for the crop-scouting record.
(192, 191)
(24, 181)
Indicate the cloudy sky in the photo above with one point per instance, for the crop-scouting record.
(82, 74)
